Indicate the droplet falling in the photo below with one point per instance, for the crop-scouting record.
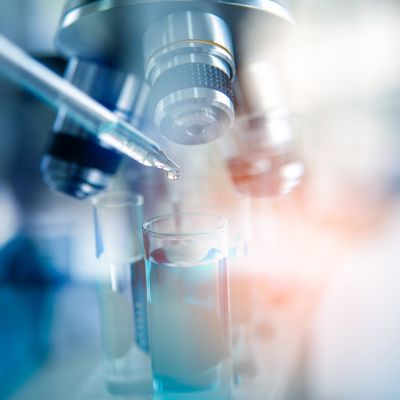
(173, 175)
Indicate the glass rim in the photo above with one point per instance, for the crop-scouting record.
(220, 227)
(118, 199)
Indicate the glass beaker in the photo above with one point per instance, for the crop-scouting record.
(122, 292)
(187, 292)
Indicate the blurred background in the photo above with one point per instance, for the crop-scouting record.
(320, 277)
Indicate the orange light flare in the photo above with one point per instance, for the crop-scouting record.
(295, 246)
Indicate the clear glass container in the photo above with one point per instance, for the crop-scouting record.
(187, 292)
(122, 292)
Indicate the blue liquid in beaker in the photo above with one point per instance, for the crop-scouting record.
(189, 328)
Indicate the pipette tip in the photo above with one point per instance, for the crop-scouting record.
(167, 165)
(173, 171)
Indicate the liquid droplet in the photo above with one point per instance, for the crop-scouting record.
(173, 175)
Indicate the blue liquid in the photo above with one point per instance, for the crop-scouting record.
(139, 297)
(189, 329)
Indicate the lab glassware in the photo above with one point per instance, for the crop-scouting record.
(122, 292)
(187, 293)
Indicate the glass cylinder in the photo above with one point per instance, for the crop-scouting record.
(187, 292)
(122, 292)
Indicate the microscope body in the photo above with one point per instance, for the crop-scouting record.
(173, 64)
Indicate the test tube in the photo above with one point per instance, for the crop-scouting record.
(187, 291)
(122, 292)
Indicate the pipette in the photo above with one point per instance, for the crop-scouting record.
(61, 94)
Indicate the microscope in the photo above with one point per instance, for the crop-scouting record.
(169, 66)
